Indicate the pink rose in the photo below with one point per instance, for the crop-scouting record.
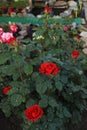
(1, 31)
(65, 28)
(13, 28)
(6, 36)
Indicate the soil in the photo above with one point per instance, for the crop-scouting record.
(8, 123)
(13, 124)
(83, 124)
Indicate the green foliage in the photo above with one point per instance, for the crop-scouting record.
(16, 100)
(62, 96)
(21, 3)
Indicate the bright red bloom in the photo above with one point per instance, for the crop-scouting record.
(6, 89)
(33, 113)
(10, 10)
(75, 54)
(11, 41)
(13, 28)
(47, 9)
(49, 68)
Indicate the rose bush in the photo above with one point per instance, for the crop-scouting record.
(43, 83)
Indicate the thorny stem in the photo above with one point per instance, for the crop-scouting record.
(20, 72)
(19, 67)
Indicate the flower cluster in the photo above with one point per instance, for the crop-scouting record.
(8, 37)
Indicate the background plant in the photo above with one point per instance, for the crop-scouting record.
(29, 89)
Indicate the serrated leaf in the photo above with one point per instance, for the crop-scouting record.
(76, 88)
(59, 85)
(52, 102)
(15, 83)
(7, 110)
(44, 102)
(52, 126)
(8, 70)
(12, 91)
(84, 90)
(64, 79)
(30, 102)
(41, 88)
(16, 100)
(66, 113)
(4, 58)
(15, 76)
(28, 69)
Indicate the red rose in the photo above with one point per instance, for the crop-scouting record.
(47, 9)
(33, 113)
(13, 28)
(49, 68)
(6, 89)
(12, 41)
(75, 54)
(10, 10)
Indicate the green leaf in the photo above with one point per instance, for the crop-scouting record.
(68, 97)
(15, 76)
(41, 87)
(64, 79)
(59, 85)
(15, 83)
(7, 110)
(4, 57)
(8, 69)
(76, 88)
(5, 107)
(30, 102)
(12, 91)
(66, 112)
(50, 111)
(52, 126)
(84, 90)
(44, 101)
(52, 102)
(16, 100)
(28, 69)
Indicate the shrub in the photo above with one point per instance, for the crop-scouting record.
(43, 83)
